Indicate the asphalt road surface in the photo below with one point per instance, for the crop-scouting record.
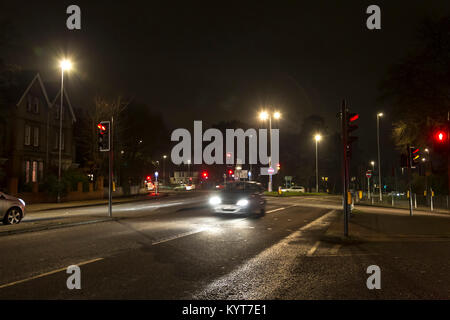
(175, 248)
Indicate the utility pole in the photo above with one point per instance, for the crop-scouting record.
(111, 163)
(409, 180)
(379, 158)
(345, 175)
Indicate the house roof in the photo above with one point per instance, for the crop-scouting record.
(54, 90)
(23, 78)
(20, 82)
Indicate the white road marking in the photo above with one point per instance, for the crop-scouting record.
(249, 280)
(335, 249)
(279, 209)
(177, 236)
(313, 249)
(46, 274)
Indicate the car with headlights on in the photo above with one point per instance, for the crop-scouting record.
(241, 197)
(12, 209)
(294, 189)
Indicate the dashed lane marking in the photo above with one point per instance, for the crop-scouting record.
(46, 274)
(335, 249)
(313, 249)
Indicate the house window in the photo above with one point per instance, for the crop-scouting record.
(41, 170)
(36, 136)
(29, 103)
(58, 109)
(34, 172)
(27, 171)
(56, 140)
(27, 141)
(36, 105)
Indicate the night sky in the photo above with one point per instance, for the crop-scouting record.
(220, 60)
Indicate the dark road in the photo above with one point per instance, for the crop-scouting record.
(177, 249)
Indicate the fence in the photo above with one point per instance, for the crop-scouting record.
(419, 201)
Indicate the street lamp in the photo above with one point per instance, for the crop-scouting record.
(189, 168)
(373, 170)
(379, 115)
(264, 115)
(65, 65)
(317, 137)
(164, 169)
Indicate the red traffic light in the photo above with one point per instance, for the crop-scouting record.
(230, 172)
(205, 174)
(149, 178)
(101, 127)
(354, 117)
(440, 136)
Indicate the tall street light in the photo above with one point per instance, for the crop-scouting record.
(164, 168)
(373, 170)
(189, 168)
(317, 137)
(264, 115)
(65, 65)
(379, 115)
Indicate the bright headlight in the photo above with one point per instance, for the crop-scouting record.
(242, 202)
(22, 202)
(214, 200)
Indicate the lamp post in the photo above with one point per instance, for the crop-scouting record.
(379, 115)
(189, 169)
(164, 169)
(373, 170)
(264, 115)
(317, 137)
(64, 65)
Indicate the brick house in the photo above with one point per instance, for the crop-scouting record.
(28, 132)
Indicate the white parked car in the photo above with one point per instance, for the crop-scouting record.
(294, 189)
(12, 209)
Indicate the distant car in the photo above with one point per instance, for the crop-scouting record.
(294, 189)
(190, 186)
(243, 197)
(12, 209)
(150, 186)
(185, 187)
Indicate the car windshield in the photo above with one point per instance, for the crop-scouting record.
(242, 187)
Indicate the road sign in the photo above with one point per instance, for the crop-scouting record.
(271, 170)
(368, 174)
(243, 174)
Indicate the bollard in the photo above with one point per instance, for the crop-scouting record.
(431, 200)
(415, 201)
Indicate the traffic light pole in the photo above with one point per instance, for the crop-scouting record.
(110, 179)
(345, 175)
(409, 180)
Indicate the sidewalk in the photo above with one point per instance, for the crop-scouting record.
(373, 224)
(88, 203)
(402, 206)
(65, 219)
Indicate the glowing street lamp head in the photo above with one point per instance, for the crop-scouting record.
(65, 65)
(277, 115)
(317, 137)
(380, 114)
(372, 163)
(263, 115)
